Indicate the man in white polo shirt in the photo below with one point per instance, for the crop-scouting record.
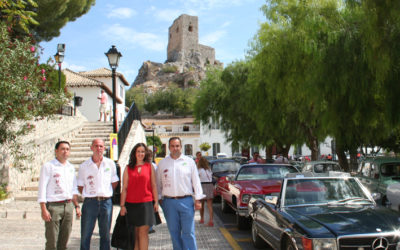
(97, 178)
(57, 196)
(177, 178)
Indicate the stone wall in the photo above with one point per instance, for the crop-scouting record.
(39, 144)
(207, 53)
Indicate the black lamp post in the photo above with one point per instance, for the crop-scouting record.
(153, 127)
(59, 57)
(113, 59)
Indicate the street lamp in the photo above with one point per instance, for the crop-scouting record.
(113, 59)
(59, 57)
(153, 127)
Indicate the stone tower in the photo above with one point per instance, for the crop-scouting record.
(183, 42)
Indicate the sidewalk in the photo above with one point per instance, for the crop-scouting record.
(21, 227)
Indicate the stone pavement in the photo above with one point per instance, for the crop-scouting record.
(21, 227)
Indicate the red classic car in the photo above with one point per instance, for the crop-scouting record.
(252, 180)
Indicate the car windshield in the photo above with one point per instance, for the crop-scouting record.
(390, 169)
(325, 167)
(325, 190)
(225, 166)
(263, 172)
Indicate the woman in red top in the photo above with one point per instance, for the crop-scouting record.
(139, 198)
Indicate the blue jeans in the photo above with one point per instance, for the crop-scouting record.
(93, 209)
(180, 220)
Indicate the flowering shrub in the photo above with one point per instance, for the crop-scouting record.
(25, 89)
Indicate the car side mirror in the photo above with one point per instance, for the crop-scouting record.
(270, 199)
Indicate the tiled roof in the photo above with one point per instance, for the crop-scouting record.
(74, 79)
(104, 72)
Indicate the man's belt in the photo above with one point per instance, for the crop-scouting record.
(98, 198)
(63, 201)
(177, 197)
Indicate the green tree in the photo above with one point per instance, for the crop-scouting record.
(16, 14)
(54, 15)
(25, 90)
(137, 95)
(157, 142)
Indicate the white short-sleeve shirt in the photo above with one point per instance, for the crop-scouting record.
(178, 177)
(96, 181)
(57, 182)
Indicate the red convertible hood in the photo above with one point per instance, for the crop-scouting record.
(259, 186)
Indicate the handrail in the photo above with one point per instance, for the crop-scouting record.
(133, 114)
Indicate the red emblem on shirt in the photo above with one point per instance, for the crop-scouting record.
(165, 170)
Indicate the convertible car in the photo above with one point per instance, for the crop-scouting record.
(253, 180)
(334, 211)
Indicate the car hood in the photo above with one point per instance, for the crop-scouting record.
(334, 221)
(224, 173)
(259, 186)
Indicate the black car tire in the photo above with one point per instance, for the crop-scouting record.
(257, 241)
(242, 222)
(289, 245)
(225, 207)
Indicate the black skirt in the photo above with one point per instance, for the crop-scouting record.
(140, 214)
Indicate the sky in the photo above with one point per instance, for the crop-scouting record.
(139, 30)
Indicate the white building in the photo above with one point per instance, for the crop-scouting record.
(88, 85)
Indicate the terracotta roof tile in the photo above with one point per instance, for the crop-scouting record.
(104, 72)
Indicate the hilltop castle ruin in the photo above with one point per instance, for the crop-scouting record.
(183, 42)
(186, 59)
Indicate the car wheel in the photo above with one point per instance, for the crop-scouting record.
(224, 207)
(257, 241)
(289, 245)
(242, 222)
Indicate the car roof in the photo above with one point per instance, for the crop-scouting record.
(266, 164)
(321, 162)
(308, 175)
(222, 160)
(382, 159)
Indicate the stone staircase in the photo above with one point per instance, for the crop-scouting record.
(80, 152)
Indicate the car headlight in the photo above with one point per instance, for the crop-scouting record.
(324, 244)
(245, 198)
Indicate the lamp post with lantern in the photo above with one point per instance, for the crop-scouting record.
(59, 57)
(113, 56)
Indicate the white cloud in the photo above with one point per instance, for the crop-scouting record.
(168, 15)
(225, 24)
(212, 4)
(213, 37)
(127, 35)
(73, 67)
(122, 13)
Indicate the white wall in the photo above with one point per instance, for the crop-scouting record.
(215, 136)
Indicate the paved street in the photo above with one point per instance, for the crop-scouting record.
(22, 228)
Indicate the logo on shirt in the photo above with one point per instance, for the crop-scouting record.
(107, 169)
(165, 170)
(184, 164)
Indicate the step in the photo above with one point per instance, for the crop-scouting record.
(86, 144)
(82, 154)
(92, 136)
(77, 161)
(79, 140)
(95, 131)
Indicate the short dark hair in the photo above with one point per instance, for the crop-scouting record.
(174, 138)
(61, 142)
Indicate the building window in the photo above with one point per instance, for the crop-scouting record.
(186, 128)
(188, 149)
(216, 148)
(190, 28)
(177, 29)
(214, 125)
(168, 129)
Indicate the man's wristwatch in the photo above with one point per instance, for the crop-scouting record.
(77, 206)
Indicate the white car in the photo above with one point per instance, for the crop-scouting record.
(221, 155)
(393, 196)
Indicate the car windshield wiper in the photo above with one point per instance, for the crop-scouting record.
(351, 199)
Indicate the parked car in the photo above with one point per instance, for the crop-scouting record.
(321, 166)
(323, 212)
(223, 167)
(210, 157)
(377, 173)
(221, 155)
(253, 180)
(393, 196)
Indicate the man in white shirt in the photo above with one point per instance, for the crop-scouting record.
(57, 196)
(177, 178)
(97, 178)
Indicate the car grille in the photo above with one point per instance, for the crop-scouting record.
(357, 242)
